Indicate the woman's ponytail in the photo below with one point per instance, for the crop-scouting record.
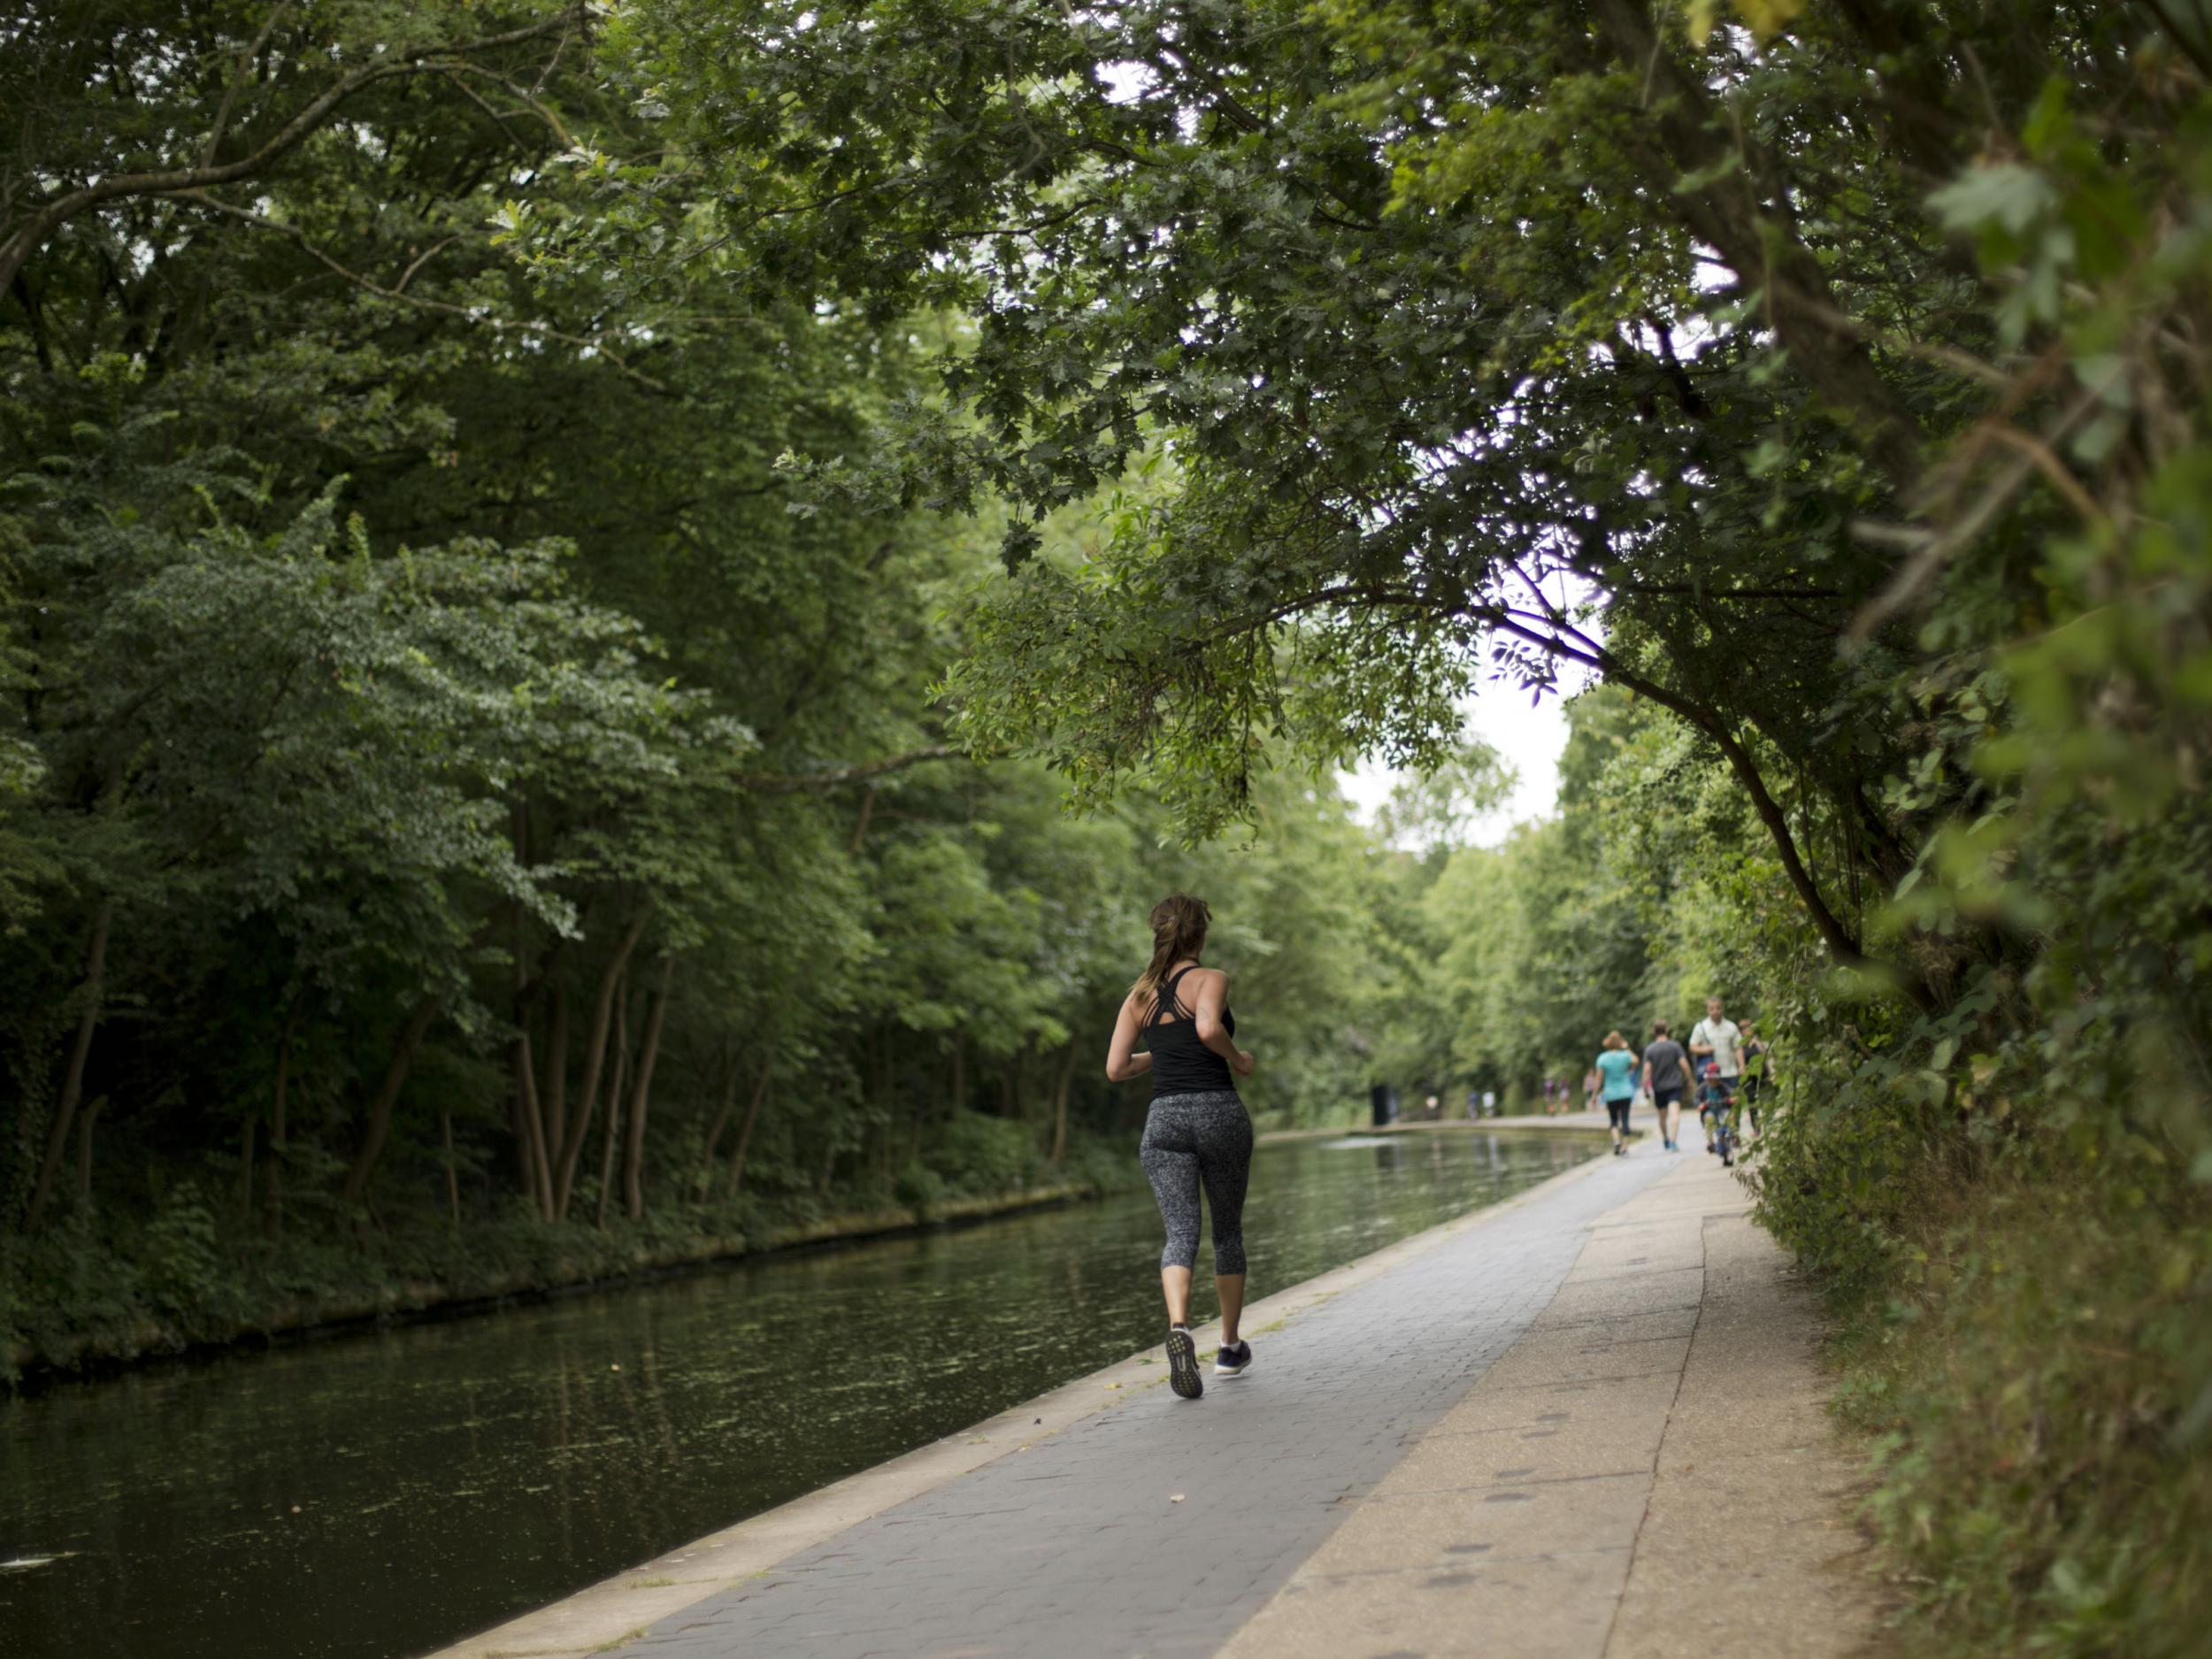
(1178, 929)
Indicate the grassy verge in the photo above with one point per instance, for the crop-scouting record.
(2026, 1352)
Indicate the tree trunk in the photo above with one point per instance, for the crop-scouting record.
(278, 1140)
(614, 1101)
(595, 1059)
(245, 1167)
(641, 1097)
(84, 1153)
(533, 1128)
(553, 1092)
(452, 1176)
(752, 1113)
(527, 1134)
(523, 1134)
(1060, 1105)
(721, 1119)
(379, 1124)
(72, 1080)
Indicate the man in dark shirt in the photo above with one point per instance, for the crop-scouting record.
(1666, 1074)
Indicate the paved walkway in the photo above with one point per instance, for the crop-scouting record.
(1584, 1423)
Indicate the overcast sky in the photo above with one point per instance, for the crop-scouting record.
(1529, 739)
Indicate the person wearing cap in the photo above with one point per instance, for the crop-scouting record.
(1716, 1099)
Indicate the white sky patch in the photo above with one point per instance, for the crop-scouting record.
(1529, 739)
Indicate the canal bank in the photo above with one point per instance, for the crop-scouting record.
(1541, 1429)
(308, 1320)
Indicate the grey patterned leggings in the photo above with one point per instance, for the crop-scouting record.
(1194, 1139)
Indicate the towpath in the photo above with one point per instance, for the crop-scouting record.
(1587, 1423)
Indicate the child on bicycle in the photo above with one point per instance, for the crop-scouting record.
(1716, 1106)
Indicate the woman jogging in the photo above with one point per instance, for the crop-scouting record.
(1616, 1071)
(1196, 1134)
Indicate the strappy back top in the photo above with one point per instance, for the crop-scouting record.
(1181, 1064)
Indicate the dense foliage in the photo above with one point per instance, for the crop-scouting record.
(514, 711)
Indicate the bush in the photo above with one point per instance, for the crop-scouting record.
(182, 1254)
(2021, 1268)
(919, 1187)
(2034, 1383)
(979, 1156)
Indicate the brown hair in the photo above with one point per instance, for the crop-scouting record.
(1178, 929)
(1658, 1027)
(1614, 1040)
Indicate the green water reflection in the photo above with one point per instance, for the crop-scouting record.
(382, 1494)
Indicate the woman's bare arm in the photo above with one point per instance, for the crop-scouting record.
(1123, 1061)
(1207, 1001)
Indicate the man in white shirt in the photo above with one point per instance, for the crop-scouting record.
(1715, 1038)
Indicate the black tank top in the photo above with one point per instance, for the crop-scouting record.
(1181, 1064)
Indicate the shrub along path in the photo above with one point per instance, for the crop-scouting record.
(1584, 1423)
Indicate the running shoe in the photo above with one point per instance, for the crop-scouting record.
(1182, 1363)
(1232, 1362)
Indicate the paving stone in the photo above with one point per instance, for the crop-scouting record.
(1505, 1521)
(1549, 1608)
(1611, 1445)
(1536, 1361)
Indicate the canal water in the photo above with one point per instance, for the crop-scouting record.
(379, 1496)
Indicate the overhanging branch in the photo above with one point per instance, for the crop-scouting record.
(35, 231)
(840, 777)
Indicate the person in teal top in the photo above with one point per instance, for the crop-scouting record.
(1617, 1081)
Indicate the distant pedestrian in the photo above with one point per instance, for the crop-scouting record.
(1591, 1085)
(1197, 1134)
(1433, 1108)
(1716, 1110)
(1666, 1074)
(1616, 1069)
(1758, 1066)
(1490, 1102)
